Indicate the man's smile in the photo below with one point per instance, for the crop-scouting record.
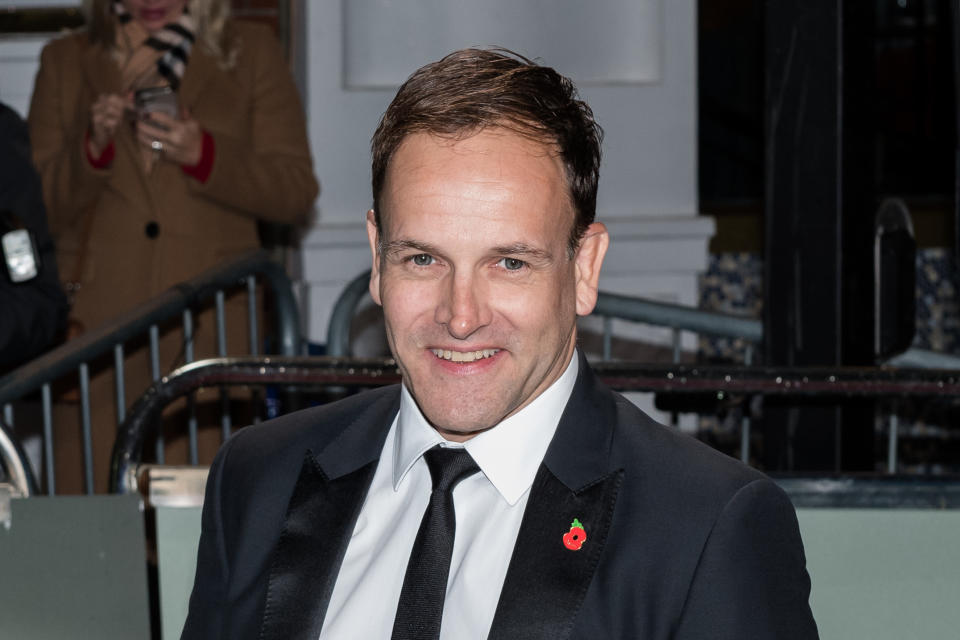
(464, 356)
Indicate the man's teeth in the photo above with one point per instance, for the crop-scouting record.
(464, 356)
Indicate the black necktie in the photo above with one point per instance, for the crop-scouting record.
(420, 607)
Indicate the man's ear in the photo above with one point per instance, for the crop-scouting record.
(589, 259)
(373, 236)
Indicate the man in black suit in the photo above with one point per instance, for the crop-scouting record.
(575, 515)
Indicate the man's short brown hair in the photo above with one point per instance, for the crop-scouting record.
(472, 89)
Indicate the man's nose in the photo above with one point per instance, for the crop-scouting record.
(463, 308)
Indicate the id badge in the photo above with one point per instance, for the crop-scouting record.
(19, 255)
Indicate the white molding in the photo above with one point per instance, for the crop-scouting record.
(613, 42)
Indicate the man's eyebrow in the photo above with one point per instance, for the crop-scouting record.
(405, 245)
(521, 249)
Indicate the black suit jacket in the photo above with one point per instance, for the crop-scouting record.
(682, 542)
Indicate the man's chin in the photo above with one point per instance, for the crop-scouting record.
(460, 434)
(458, 427)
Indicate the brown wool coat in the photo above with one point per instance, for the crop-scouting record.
(262, 170)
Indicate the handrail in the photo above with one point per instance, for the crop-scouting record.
(297, 370)
(67, 357)
(624, 376)
(338, 329)
(679, 317)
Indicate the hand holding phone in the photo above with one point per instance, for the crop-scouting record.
(155, 100)
(175, 139)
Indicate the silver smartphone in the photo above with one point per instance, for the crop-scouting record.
(155, 100)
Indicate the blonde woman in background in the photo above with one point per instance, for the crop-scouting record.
(143, 194)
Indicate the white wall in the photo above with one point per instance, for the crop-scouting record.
(648, 109)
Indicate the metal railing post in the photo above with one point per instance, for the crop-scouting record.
(48, 439)
(87, 430)
(159, 443)
(892, 443)
(607, 338)
(225, 423)
(119, 382)
(252, 314)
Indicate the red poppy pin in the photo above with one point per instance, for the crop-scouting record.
(575, 538)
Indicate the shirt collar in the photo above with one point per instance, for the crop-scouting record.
(508, 454)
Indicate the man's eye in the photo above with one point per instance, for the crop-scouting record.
(512, 264)
(422, 260)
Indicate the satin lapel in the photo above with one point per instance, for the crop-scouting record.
(307, 558)
(546, 581)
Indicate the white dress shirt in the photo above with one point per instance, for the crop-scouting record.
(489, 507)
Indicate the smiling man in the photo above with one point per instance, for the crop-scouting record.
(473, 267)
(501, 491)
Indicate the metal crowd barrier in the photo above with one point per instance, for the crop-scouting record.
(324, 371)
(180, 300)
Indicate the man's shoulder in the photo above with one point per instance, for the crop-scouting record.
(683, 485)
(307, 429)
(675, 462)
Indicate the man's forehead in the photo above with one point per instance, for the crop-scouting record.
(498, 139)
(493, 158)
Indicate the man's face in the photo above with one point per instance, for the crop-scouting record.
(479, 292)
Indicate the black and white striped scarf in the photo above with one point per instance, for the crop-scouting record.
(175, 40)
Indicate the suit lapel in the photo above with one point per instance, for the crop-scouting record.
(323, 510)
(546, 582)
(307, 558)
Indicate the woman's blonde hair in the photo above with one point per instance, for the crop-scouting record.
(210, 16)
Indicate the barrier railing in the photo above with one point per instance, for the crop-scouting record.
(323, 371)
(179, 301)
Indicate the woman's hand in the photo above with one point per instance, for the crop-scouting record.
(105, 115)
(180, 141)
